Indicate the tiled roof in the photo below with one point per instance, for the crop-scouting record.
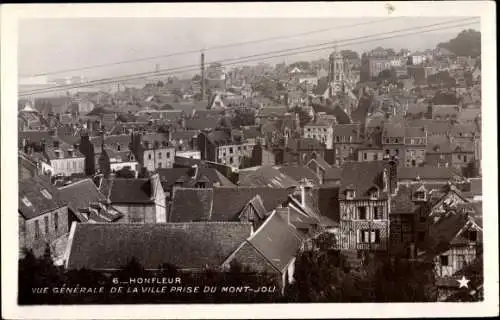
(184, 245)
(277, 241)
(402, 201)
(38, 196)
(415, 132)
(65, 150)
(184, 135)
(267, 176)
(191, 205)
(224, 210)
(361, 176)
(427, 173)
(35, 136)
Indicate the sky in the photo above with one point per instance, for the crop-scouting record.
(50, 45)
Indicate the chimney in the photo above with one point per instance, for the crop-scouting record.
(195, 174)
(302, 195)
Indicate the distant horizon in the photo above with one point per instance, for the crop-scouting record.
(43, 45)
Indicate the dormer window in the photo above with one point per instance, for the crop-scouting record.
(350, 194)
(373, 192)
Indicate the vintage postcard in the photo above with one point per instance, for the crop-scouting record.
(249, 160)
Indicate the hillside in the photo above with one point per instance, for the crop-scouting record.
(466, 43)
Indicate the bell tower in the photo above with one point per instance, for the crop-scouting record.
(336, 72)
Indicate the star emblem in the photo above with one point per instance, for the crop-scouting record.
(464, 282)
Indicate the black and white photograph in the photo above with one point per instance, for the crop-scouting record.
(220, 158)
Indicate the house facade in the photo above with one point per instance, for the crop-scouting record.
(364, 198)
(43, 216)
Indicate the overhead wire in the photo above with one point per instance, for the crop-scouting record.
(255, 57)
(224, 46)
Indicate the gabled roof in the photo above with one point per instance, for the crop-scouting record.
(224, 210)
(125, 190)
(184, 245)
(192, 204)
(276, 241)
(38, 196)
(402, 202)
(81, 194)
(361, 176)
(346, 130)
(267, 176)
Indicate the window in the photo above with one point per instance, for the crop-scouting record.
(378, 212)
(46, 221)
(26, 202)
(46, 194)
(365, 156)
(387, 151)
(460, 261)
(422, 219)
(406, 227)
(375, 156)
(149, 156)
(413, 163)
(472, 235)
(362, 213)
(118, 147)
(159, 164)
(231, 160)
(465, 158)
(349, 194)
(420, 195)
(56, 221)
(159, 155)
(443, 260)
(37, 229)
(231, 150)
(459, 157)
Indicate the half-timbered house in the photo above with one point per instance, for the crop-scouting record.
(365, 192)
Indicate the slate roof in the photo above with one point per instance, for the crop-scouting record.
(272, 111)
(394, 130)
(346, 130)
(277, 241)
(361, 176)
(333, 173)
(191, 204)
(340, 115)
(184, 245)
(32, 202)
(299, 172)
(169, 176)
(81, 194)
(124, 190)
(224, 210)
(267, 176)
(202, 124)
(35, 136)
(427, 173)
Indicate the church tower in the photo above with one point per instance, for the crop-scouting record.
(336, 73)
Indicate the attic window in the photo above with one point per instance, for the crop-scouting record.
(373, 193)
(46, 194)
(26, 202)
(350, 194)
(472, 235)
(420, 195)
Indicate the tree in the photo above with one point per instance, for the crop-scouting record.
(466, 43)
(349, 54)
